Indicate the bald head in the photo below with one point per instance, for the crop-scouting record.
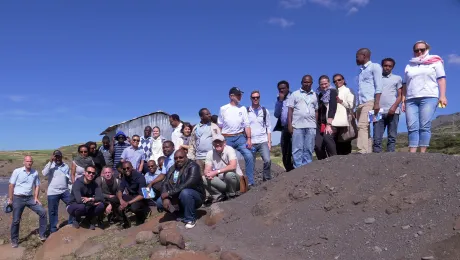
(28, 161)
(363, 55)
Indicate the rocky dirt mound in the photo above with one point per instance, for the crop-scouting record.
(377, 206)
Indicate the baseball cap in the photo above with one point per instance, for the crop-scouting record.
(57, 153)
(235, 91)
(218, 137)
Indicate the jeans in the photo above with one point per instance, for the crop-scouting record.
(364, 131)
(303, 142)
(189, 200)
(227, 186)
(79, 210)
(238, 142)
(419, 113)
(263, 150)
(53, 209)
(286, 149)
(19, 204)
(325, 144)
(390, 122)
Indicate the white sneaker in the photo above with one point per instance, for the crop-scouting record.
(190, 224)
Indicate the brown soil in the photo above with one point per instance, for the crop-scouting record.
(7, 168)
(377, 206)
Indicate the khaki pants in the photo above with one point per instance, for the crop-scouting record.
(227, 186)
(201, 164)
(364, 131)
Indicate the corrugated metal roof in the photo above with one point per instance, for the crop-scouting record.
(112, 127)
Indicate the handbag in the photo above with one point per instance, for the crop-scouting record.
(349, 132)
(244, 182)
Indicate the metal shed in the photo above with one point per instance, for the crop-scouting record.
(137, 125)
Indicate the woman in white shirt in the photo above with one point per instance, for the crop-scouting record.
(345, 101)
(424, 89)
(157, 144)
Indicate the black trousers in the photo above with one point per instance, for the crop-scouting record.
(325, 144)
(139, 208)
(286, 149)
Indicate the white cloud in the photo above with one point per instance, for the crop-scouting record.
(16, 98)
(352, 10)
(292, 4)
(326, 3)
(454, 59)
(361, 3)
(281, 22)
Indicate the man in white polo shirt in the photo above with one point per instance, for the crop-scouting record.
(234, 122)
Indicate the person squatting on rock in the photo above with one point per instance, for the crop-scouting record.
(109, 186)
(24, 191)
(182, 189)
(86, 199)
(222, 171)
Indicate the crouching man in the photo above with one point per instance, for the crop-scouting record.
(86, 199)
(182, 189)
(109, 187)
(222, 171)
(133, 182)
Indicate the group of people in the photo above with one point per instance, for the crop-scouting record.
(199, 164)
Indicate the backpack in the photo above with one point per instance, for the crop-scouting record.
(265, 115)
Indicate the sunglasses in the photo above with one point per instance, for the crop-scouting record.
(92, 173)
(338, 80)
(127, 168)
(83, 151)
(255, 98)
(136, 140)
(420, 50)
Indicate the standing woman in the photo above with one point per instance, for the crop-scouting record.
(424, 89)
(184, 140)
(327, 107)
(345, 105)
(80, 163)
(157, 144)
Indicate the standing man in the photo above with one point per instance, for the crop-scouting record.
(201, 138)
(134, 154)
(23, 191)
(107, 151)
(58, 174)
(146, 146)
(234, 122)
(302, 118)
(389, 102)
(370, 89)
(176, 124)
(261, 136)
(281, 112)
(119, 147)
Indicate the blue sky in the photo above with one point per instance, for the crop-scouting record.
(69, 69)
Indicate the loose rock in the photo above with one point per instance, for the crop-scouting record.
(144, 236)
(369, 220)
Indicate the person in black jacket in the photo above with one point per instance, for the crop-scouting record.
(182, 189)
(98, 157)
(133, 182)
(327, 106)
(86, 199)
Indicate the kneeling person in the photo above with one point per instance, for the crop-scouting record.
(133, 201)
(222, 171)
(109, 187)
(154, 178)
(183, 188)
(86, 199)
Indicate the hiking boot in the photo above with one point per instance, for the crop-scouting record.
(190, 224)
(14, 244)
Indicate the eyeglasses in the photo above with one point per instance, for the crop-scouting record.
(127, 168)
(255, 98)
(337, 80)
(84, 151)
(92, 173)
(136, 140)
(419, 50)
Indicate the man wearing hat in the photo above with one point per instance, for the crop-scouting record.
(58, 174)
(234, 122)
(119, 146)
(222, 171)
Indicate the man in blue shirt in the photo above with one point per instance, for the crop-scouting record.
(281, 112)
(389, 104)
(370, 89)
(168, 151)
(23, 191)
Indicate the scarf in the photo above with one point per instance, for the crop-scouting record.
(326, 94)
(84, 161)
(426, 59)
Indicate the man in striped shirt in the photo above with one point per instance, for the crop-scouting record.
(119, 147)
